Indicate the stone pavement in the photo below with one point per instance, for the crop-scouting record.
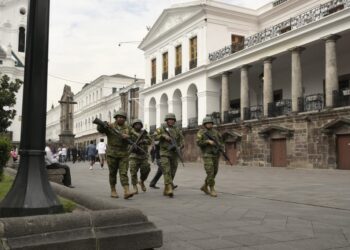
(257, 208)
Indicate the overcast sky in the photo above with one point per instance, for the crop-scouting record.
(84, 37)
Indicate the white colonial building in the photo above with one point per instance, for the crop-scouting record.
(13, 24)
(102, 98)
(53, 126)
(288, 58)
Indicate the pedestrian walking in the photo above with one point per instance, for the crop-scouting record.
(64, 154)
(155, 157)
(210, 142)
(101, 149)
(91, 153)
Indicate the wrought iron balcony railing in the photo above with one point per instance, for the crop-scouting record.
(256, 112)
(341, 98)
(192, 122)
(282, 107)
(152, 129)
(313, 102)
(193, 63)
(292, 23)
(232, 116)
(178, 70)
(165, 76)
(179, 124)
(153, 81)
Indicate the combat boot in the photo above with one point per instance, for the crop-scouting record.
(127, 193)
(114, 193)
(213, 192)
(169, 190)
(143, 187)
(136, 190)
(204, 188)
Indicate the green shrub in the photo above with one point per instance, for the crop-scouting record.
(5, 149)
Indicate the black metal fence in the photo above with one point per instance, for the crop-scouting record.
(192, 122)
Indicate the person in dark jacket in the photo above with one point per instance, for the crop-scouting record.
(91, 153)
(155, 156)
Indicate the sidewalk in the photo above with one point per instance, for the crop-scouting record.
(257, 208)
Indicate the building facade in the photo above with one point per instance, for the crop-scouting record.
(101, 99)
(13, 24)
(53, 126)
(277, 79)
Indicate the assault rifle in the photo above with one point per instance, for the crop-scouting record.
(217, 146)
(173, 146)
(117, 133)
(138, 140)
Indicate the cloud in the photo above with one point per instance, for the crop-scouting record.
(84, 37)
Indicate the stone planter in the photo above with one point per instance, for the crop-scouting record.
(103, 225)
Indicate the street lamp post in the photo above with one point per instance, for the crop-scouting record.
(31, 193)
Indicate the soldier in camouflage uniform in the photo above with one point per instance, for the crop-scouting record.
(138, 159)
(117, 154)
(169, 157)
(210, 154)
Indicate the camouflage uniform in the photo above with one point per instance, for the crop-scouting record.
(210, 154)
(138, 159)
(117, 154)
(169, 158)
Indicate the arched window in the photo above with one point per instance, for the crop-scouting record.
(21, 39)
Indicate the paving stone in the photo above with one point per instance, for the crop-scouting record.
(250, 239)
(258, 208)
(215, 243)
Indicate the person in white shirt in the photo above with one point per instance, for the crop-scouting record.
(52, 163)
(101, 148)
(64, 153)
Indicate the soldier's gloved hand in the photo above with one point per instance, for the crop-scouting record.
(125, 136)
(210, 142)
(166, 137)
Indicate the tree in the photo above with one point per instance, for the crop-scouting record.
(8, 90)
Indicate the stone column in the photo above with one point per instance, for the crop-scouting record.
(297, 82)
(268, 94)
(225, 94)
(331, 69)
(245, 101)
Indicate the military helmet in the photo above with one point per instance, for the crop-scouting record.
(170, 116)
(136, 121)
(207, 120)
(120, 113)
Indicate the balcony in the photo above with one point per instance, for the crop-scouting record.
(153, 81)
(165, 76)
(152, 129)
(293, 23)
(313, 102)
(179, 124)
(193, 63)
(192, 123)
(282, 107)
(232, 116)
(256, 112)
(341, 98)
(178, 70)
(228, 50)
